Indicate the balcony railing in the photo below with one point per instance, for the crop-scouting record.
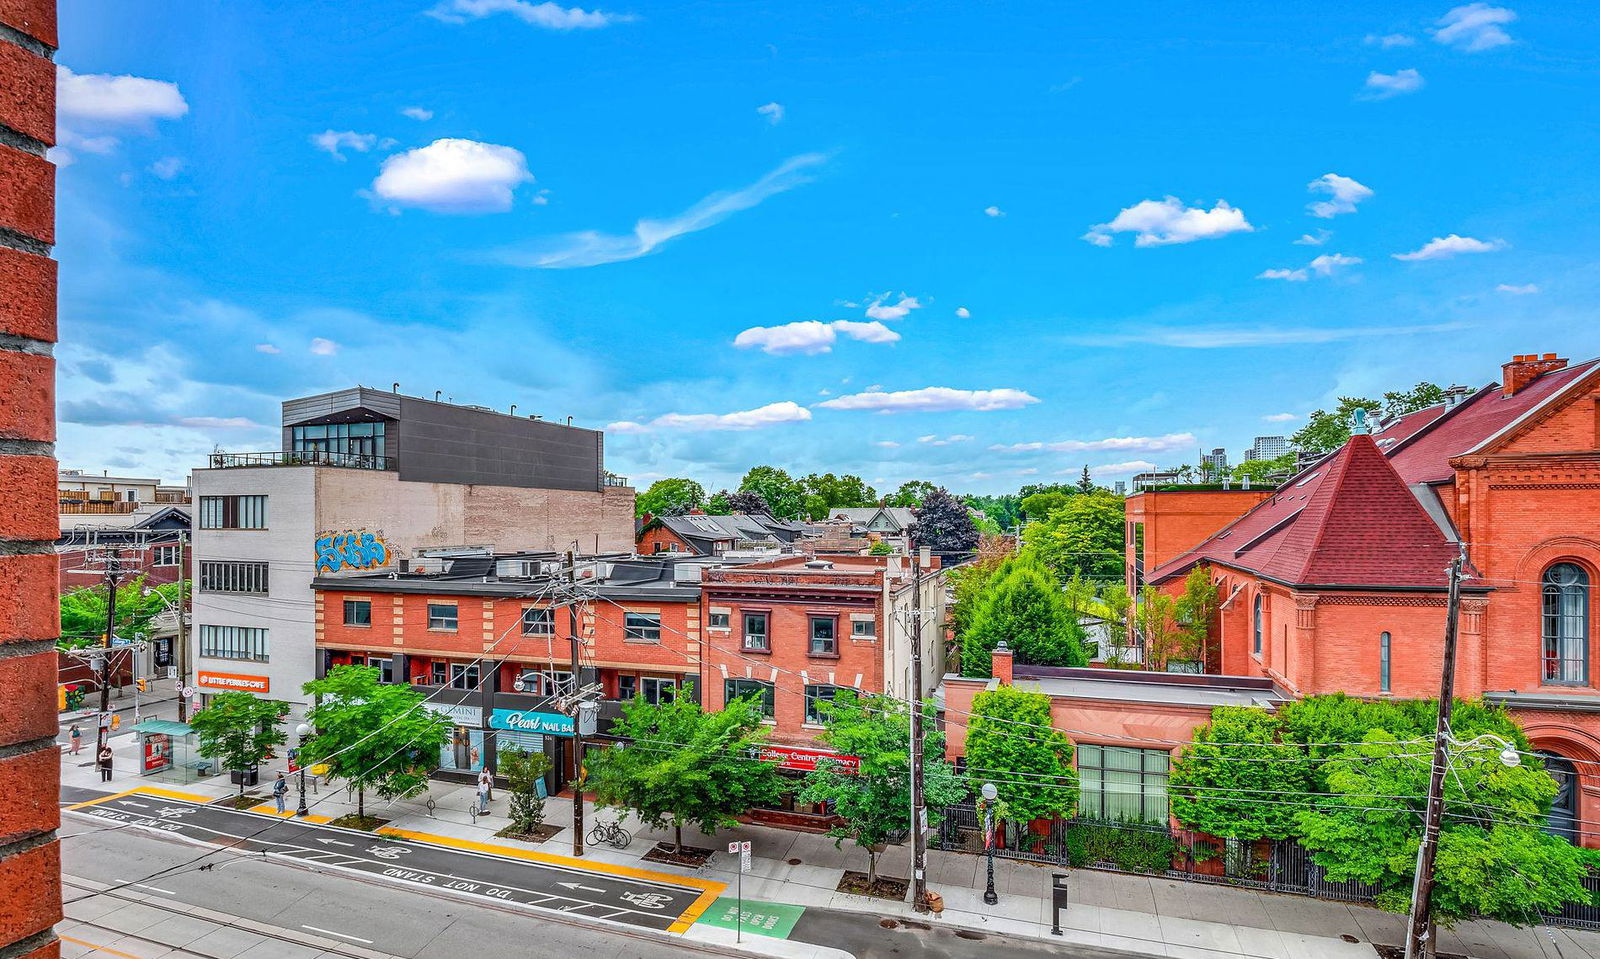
(609, 478)
(359, 461)
(98, 506)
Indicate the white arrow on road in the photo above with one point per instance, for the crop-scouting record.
(129, 802)
(334, 842)
(578, 885)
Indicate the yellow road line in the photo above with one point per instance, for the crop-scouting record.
(709, 889)
(97, 948)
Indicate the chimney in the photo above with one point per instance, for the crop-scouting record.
(1000, 660)
(1524, 368)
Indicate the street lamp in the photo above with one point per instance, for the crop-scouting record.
(990, 794)
(302, 731)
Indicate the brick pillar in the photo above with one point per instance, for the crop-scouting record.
(1000, 661)
(30, 860)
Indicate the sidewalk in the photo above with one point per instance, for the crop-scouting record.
(1147, 914)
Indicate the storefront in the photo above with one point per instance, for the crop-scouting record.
(465, 749)
(794, 763)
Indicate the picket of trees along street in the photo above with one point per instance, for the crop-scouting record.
(239, 731)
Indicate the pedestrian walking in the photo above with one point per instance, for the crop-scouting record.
(104, 759)
(485, 784)
(280, 792)
(75, 736)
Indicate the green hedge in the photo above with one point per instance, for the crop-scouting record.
(1133, 846)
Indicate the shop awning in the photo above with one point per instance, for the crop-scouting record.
(167, 726)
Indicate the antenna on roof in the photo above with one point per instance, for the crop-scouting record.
(437, 394)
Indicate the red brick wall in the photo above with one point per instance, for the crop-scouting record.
(660, 540)
(1176, 522)
(30, 867)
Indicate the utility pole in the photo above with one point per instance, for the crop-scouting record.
(113, 573)
(1420, 930)
(182, 652)
(577, 733)
(919, 840)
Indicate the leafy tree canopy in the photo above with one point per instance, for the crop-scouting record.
(944, 525)
(826, 492)
(682, 765)
(1040, 505)
(1023, 606)
(1010, 737)
(1083, 535)
(1235, 761)
(910, 494)
(373, 735)
(1259, 471)
(782, 494)
(239, 730)
(1325, 432)
(1004, 509)
(83, 611)
(673, 496)
(1421, 396)
(1086, 482)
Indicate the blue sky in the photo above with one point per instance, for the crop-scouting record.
(982, 245)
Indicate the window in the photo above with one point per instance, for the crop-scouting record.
(358, 612)
(166, 556)
(228, 577)
(358, 659)
(464, 675)
(442, 616)
(627, 687)
(234, 642)
(1255, 643)
(548, 682)
(658, 691)
(823, 639)
(755, 632)
(862, 629)
(340, 440)
(1123, 783)
(538, 622)
(641, 627)
(764, 692)
(233, 512)
(1566, 625)
(440, 673)
(385, 668)
(1563, 818)
(718, 620)
(1383, 662)
(816, 694)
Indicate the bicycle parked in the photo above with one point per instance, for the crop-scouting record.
(610, 833)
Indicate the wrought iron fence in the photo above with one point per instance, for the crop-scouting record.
(363, 461)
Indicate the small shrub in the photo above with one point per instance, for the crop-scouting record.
(1135, 847)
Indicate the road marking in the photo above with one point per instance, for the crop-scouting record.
(341, 935)
(167, 892)
(336, 842)
(95, 947)
(578, 885)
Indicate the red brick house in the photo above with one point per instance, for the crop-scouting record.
(1336, 582)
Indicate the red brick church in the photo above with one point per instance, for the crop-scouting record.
(1337, 581)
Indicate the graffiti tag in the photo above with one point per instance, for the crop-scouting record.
(357, 549)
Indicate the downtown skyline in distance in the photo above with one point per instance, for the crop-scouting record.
(903, 242)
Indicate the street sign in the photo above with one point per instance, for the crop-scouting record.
(105, 720)
(733, 847)
(188, 692)
(744, 856)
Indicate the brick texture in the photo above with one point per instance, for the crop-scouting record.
(36, 18)
(27, 82)
(27, 194)
(28, 588)
(28, 782)
(31, 882)
(28, 412)
(28, 510)
(27, 294)
(28, 689)
(50, 950)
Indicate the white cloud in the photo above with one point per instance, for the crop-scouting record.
(1160, 222)
(1321, 237)
(770, 415)
(417, 113)
(963, 312)
(1474, 27)
(1127, 468)
(810, 337)
(993, 211)
(267, 348)
(1281, 417)
(934, 439)
(1389, 41)
(332, 141)
(167, 167)
(932, 399)
(323, 347)
(550, 16)
(106, 100)
(218, 422)
(1325, 265)
(591, 248)
(1382, 86)
(772, 111)
(895, 311)
(1227, 337)
(453, 176)
(1343, 195)
(1444, 247)
(887, 444)
(1140, 444)
(1525, 289)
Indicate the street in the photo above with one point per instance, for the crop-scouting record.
(133, 863)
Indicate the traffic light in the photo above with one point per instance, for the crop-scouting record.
(143, 685)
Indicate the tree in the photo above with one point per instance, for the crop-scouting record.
(1025, 608)
(1164, 638)
(826, 492)
(1421, 396)
(1260, 471)
(725, 503)
(1325, 432)
(1196, 608)
(524, 772)
(969, 583)
(670, 497)
(83, 611)
(880, 548)
(874, 798)
(681, 765)
(1010, 737)
(910, 494)
(944, 525)
(1086, 482)
(1084, 535)
(782, 495)
(373, 735)
(239, 730)
(1118, 605)
(1004, 509)
(1218, 782)
(1040, 505)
